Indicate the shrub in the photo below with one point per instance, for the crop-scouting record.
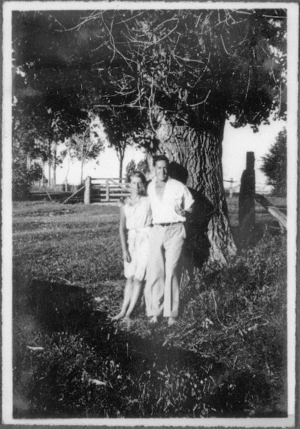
(22, 179)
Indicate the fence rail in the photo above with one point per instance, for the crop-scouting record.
(102, 189)
(273, 210)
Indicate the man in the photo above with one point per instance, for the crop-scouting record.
(170, 201)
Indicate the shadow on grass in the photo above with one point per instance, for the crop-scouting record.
(200, 386)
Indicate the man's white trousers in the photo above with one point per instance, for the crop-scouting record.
(163, 270)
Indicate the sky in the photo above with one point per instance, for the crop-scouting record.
(236, 143)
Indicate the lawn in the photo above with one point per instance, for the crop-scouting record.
(225, 357)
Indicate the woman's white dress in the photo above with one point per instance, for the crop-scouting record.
(138, 223)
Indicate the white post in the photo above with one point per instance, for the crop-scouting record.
(87, 191)
(107, 190)
(230, 189)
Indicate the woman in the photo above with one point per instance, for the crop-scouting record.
(135, 223)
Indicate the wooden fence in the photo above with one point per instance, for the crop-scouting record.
(98, 190)
(247, 199)
(110, 190)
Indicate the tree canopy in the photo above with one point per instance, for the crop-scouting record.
(194, 64)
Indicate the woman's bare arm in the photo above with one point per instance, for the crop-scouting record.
(123, 235)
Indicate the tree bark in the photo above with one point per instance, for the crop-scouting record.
(200, 153)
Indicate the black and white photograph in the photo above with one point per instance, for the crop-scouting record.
(149, 213)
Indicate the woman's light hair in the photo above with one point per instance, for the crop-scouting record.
(139, 174)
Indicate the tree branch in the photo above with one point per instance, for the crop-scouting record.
(225, 47)
(188, 59)
(129, 19)
(167, 35)
(167, 20)
(200, 102)
(92, 16)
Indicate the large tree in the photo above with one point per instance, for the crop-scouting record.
(185, 72)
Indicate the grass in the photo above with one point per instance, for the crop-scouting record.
(225, 357)
(44, 231)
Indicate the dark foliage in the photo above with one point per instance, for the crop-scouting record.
(130, 168)
(197, 66)
(275, 165)
(22, 179)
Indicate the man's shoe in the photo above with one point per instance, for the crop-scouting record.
(172, 321)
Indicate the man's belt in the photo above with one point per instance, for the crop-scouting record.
(167, 224)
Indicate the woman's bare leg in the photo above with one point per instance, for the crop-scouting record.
(136, 291)
(128, 292)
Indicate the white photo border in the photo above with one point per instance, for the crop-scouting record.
(7, 250)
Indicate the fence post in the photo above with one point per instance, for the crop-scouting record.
(247, 201)
(107, 190)
(231, 189)
(87, 191)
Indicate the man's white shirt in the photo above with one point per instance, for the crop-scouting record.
(176, 196)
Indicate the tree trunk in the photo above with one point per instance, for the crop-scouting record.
(81, 172)
(82, 162)
(28, 162)
(200, 153)
(49, 173)
(49, 163)
(67, 172)
(121, 158)
(43, 176)
(54, 162)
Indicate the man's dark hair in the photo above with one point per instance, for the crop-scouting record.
(160, 158)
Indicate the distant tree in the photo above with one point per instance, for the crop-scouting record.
(40, 123)
(275, 165)
(143, 166)
(21, 181)
(36, 172)
(122, 126)
(87, 144)
(23, 175)
(48, 106)
(130, 168)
